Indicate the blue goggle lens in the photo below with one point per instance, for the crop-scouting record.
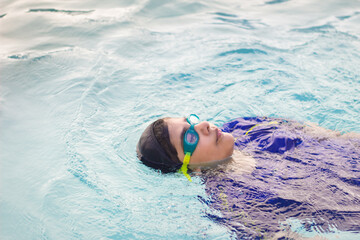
(191, 138)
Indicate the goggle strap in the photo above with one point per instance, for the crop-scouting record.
(184, 167)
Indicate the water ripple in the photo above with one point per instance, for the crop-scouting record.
(348, 16)
(225, 14)
(276, 1)
(319, 29)
(243, 51)
(53, 10)
(243, 23)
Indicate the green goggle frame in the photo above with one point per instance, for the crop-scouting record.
(191, 139)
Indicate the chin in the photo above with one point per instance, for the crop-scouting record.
(229, 141)
(229, 138)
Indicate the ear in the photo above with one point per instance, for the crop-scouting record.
(195, 169)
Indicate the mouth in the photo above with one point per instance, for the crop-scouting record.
(218, 134)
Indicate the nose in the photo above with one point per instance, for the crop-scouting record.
(203, 128)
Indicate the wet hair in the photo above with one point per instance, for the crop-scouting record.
(155, 150)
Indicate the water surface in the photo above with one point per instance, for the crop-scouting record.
(80, 80)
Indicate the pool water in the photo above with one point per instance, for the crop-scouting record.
(80, 81)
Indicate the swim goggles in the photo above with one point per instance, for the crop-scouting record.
(191, 139)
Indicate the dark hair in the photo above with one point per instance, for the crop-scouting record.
(155, 149)
(161, 133)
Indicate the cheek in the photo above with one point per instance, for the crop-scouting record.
(203, 151)
(208, 150)
(229, 138)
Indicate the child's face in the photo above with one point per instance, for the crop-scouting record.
(213, 144)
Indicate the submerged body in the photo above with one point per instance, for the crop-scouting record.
(299, 176)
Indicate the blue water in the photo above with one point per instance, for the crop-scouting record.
(80, 80)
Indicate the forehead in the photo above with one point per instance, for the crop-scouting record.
(175, 127)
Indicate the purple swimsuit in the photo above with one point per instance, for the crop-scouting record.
(311, 181)
(266, 134)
